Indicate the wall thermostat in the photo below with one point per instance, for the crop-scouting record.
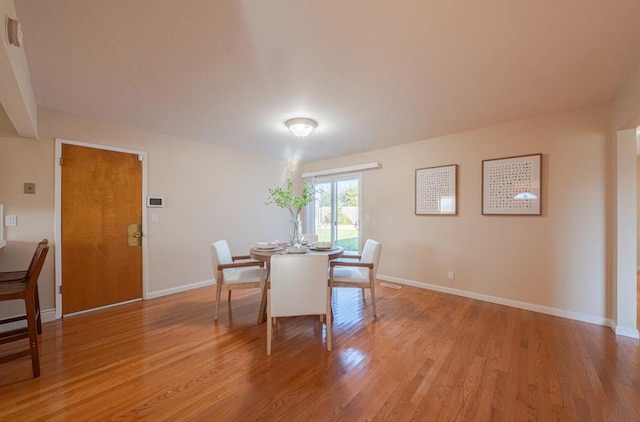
(155, 201)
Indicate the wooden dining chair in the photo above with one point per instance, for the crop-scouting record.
(25, 289)
(234, 272)
(8, 276)
(358, 270)
(298, 286)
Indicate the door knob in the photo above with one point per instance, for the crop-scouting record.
(134, 235)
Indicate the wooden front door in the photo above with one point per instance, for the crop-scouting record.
(101, 199)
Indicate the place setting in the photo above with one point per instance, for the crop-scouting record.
(323, 246)
(297, 249)
(268, 246)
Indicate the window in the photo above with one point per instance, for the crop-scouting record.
(335, 215)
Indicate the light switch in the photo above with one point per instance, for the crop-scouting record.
(154, 218)
(10, 220)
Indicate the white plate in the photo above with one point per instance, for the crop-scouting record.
(333, 248)
(324, 245)
(267, 247)
(302, 249)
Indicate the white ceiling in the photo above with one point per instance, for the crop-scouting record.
(373, 73)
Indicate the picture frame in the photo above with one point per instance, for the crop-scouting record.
(512, 185)
(436, 190)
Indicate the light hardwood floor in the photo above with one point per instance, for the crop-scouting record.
(428, 357)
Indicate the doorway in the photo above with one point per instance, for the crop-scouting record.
(337, 210)
(99, 226)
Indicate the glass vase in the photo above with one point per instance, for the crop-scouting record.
(295, 231)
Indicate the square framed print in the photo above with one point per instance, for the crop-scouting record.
(512, 185)
(437, 190)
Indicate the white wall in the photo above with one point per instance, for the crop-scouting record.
(557, 260)
(211, 193)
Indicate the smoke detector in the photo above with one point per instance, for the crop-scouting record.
(14, 32)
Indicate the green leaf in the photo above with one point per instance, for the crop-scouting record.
(284, 198)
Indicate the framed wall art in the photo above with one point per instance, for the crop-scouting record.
(437, 190)
(512, 185)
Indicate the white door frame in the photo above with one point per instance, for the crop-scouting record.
(57, 234)
(625, 234)
(330, 179)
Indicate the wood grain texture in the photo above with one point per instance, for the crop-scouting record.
(427, 357)
(101, 197)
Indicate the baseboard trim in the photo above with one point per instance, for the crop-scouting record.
(50, 314)
(179, 289)
(591, 319)
(46, 315)
(625, 331)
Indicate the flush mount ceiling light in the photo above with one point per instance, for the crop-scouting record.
(301, 127)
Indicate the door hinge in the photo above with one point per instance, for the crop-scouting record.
(61, 161)
(61, 289)
(140, 157)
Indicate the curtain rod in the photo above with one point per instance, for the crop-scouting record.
(356, 167)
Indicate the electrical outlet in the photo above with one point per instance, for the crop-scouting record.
(10, 220)
(451, 275)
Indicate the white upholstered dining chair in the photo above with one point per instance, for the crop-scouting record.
(298, 286)
(358, 270)
(234, 272)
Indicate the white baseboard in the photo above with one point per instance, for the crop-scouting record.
(592, 319)
(50, 314)
(625, 331)
(100, 308)
(179, 289)
(46, 315)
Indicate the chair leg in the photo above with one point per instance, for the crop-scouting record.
(229, 297)
(328, 318)
(331, 298)
(362, 291)
(218, 294)
(263, 296)
(30, 308)
(269, 323)
(372, 283)
(38, 317)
